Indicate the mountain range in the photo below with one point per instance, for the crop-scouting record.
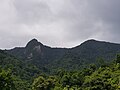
(47, 58)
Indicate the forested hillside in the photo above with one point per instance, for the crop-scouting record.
(15, 72)
(93, 65)
(106, 77)
(18, 75)
(49, 59)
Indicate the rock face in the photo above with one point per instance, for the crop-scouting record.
(33, 43)
(33, 49)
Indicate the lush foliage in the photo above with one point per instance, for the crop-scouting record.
(15, 73)
(6, 80)
(106, 77)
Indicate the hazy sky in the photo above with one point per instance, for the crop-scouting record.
(58, 23)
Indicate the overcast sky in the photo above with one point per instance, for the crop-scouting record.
(58, 23)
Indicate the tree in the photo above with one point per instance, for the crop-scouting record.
(93, 67)
(6, 81)
(65, 80)
(76, 79)
(42, 83)
(118, 58)
(39, 84)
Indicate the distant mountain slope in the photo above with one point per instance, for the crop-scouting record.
(93, 48)
(86, 53)
(37, 53)
(18, 67)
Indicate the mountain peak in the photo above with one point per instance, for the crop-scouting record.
(91, 40)
(33, 42)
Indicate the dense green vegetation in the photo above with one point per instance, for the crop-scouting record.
(16, 72)
(49, 59)
(90, 66)
(106, 77)
(6, 80)
(18, 75)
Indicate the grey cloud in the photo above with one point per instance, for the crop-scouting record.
(108, 11)
(32, 11)
(61, 23)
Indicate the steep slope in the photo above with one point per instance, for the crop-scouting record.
(18, 67)
(22, 72)
(88, 52)
(37, 53)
